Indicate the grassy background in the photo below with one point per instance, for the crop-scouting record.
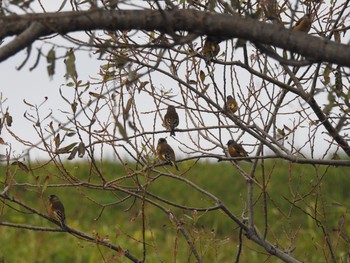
(316, 192)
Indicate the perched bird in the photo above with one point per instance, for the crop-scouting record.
(236, 150)
(303, 24)
(166, 153)
(171, 120)
(211, 48)
(56, 210)
(231, 105)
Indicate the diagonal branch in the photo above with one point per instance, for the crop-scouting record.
(28, 36)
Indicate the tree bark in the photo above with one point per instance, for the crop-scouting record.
(314, 48)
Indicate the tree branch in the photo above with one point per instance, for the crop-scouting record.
(27, 37)
(202, 23)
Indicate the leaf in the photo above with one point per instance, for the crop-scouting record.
(143, 84)
(74, 106)
(81, 150)
(70, 134)
(338, 82)
(21, 166)
(281, 132)
(120, 61)
(132, 125)
(97, 95)
(8, 119)
(331, 103)
(109, 75)
(202, 76)
(2, 141)
(121, 129)
(66, 149)
(287, 128)
(51, 127)
(127, 108)
(284, 54)
(73, 153)
(51, 61)
(57, 140)
(70, 65)
(326, 73)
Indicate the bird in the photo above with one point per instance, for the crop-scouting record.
(211, 48)
(171, 120)
(303, 24)
(166, 153)
(236, 150)
(231, 105)
(56, 210)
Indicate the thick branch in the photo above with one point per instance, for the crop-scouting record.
(330, 129)
(202, 23)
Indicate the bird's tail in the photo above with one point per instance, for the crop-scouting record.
(177, 168)
(172, 163)
(172, 132)
(61, 219)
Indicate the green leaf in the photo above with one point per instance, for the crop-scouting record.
(97, 95)
(281, 132)
(66, 149)
(121, 129)
(127, 108)
(120, 61)
(338, 82)
(73, 153)
(326, 73)
(81, 150)
(284, 54)
(51, 61)
(143, 84)
(70, 65)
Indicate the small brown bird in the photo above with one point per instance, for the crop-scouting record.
(166, 153)
(56, 210)
(171, 120)
(236, 150)
(211, 48)
(303, 24)
(231, 105)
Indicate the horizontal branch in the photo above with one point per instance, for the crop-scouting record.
(316, 49)
(29, 227)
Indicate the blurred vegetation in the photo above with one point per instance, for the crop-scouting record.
(303, 202)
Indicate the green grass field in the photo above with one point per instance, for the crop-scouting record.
(297, 196)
